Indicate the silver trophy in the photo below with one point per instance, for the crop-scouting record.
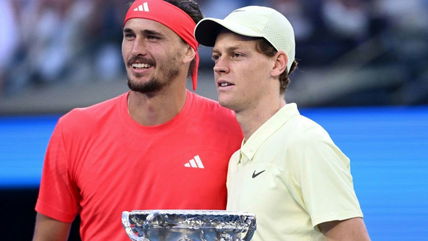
(188, 225)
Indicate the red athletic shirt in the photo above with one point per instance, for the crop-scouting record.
(101, 162)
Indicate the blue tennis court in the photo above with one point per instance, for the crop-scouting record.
(388, 148)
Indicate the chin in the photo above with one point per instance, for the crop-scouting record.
(226, 104)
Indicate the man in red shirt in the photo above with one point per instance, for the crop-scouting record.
(158, 146)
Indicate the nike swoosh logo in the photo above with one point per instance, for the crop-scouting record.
(256, 174)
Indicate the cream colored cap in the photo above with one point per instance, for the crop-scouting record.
(251, 21)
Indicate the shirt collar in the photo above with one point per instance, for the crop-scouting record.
(250, 147)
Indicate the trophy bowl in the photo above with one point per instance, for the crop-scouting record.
(188, 225)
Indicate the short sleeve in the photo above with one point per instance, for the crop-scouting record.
(321, 176)
(58, 195)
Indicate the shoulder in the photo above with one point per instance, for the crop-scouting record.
(212, 109)
(206, 103)
(87, 117)
(306, 131)
(209, 114)
(311, 145)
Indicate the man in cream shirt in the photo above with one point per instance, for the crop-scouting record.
(288, 172)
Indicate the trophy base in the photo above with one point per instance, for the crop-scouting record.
(188, 225)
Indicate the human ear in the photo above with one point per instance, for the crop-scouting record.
(280, 64)
(189, 55)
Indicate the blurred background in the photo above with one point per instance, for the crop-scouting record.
(363, 75)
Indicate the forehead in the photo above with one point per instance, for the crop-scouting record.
(228, 39)
(140, 24)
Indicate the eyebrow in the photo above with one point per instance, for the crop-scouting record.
(144, 32)
(228, 49)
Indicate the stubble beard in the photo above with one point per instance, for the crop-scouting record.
(155, 84)
(168, 73)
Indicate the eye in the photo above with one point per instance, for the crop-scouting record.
(215, 57)
(128, 35)
(237, 54)
(153, 37)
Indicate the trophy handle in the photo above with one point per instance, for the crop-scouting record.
(128, 229)
(251, 230)
(249, 235)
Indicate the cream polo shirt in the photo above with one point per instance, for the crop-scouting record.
(292, 176)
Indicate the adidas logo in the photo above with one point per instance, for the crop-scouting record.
(195, 162)
(142, 8)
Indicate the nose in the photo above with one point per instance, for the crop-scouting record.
(138, 47)
(220, 66)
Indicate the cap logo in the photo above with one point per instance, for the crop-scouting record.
(142, 7)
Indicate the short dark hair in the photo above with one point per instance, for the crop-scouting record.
(266, 48)
(191, 7)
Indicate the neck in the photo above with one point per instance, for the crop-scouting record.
(251, 119)
(156, 108)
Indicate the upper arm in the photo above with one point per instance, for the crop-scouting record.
(49, 229)
(352, 229)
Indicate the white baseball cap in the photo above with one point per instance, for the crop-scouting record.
(251, 21)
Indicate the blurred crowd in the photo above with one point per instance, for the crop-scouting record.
(52, 41)
(47, 41)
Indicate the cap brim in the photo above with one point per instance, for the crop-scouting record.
(206, 30)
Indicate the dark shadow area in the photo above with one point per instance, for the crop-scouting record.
(18, 215)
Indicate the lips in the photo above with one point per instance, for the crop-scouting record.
(223, 83)
(139, 63)
(140, 66)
